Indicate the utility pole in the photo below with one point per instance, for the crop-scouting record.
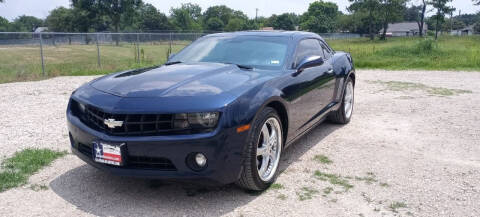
(256, 14)
(451, 21)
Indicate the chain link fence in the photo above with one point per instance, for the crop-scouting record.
(32, 56)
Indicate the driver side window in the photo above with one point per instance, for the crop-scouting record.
(306, 48)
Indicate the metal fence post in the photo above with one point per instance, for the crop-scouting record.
(138, 47)
(170, 46)
(41, 55)
(98, 53)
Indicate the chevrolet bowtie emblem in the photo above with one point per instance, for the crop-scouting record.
(112, 123)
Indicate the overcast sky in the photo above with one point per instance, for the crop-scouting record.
(40, 8)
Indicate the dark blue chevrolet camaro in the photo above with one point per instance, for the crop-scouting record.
(220, 111)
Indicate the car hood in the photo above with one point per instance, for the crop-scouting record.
(199, 79)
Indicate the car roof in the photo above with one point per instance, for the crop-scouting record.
(269, 33)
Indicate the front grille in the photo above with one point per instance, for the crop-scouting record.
(136, 162)
(151, 163)
(133, 124)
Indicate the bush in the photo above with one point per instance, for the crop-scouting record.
(476, 28)
(425, 46)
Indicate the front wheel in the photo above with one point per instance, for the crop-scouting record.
(344, 113)
(262, 156)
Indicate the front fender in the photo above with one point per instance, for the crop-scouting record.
(247, 107)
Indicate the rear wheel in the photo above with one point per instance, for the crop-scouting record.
(344, 113)
(262, 156)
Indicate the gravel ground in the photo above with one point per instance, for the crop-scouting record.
(405, 152)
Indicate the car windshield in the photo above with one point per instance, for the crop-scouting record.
(250, 51)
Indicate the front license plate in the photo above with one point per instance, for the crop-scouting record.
(108, 153)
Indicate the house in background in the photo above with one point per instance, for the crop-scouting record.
(461, 32)
(404, 29)
(40, 29)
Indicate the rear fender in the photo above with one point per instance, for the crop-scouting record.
(343, 67)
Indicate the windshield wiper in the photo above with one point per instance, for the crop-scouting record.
(172, 63)
(241, 66)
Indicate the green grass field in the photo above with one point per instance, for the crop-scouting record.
(24, 63)
(449, 53)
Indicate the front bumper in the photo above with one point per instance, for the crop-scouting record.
(222, 147)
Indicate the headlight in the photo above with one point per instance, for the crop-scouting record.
(203, 119)
(81, 107)
(199, 120)
(77, 108)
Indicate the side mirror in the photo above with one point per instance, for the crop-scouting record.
(309, 62)
(171, 56)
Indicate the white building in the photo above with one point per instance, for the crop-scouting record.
(465, 31)
(404, 29)
(40, 29)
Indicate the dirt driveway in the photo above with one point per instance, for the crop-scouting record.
(412, 148)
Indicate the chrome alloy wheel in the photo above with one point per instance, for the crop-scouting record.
(348, 100)
(269, 149)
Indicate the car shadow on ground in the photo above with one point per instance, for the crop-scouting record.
(102, 194)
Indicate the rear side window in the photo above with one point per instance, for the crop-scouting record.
(326, 51)
(306, 48)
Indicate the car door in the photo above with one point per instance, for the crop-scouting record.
(305, 91)
(328, 89)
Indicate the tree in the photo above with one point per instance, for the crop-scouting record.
(235, 24)
(213, 15)
(285, 21)
(345, 23)
(260, 22)
(476, 28)
(411, 14)
(217, 16)
(391, 11)
(186, 17)
(441, 9)
(86, 17)
(215, 24)
(320, 17)
(417, 13)
(117, 11)
(26, 23)
(150, 19)
(421, 21)
(240, 15)
(60, 20)
(468, 19)
(251, 24)
(370, 8)
(4, 25)
(357, 22)
(453, 24)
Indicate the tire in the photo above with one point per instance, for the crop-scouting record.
(254, 164)
(342, 116)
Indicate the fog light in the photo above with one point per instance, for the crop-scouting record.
(200, 159)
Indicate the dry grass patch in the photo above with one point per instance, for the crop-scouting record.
(410, 86)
